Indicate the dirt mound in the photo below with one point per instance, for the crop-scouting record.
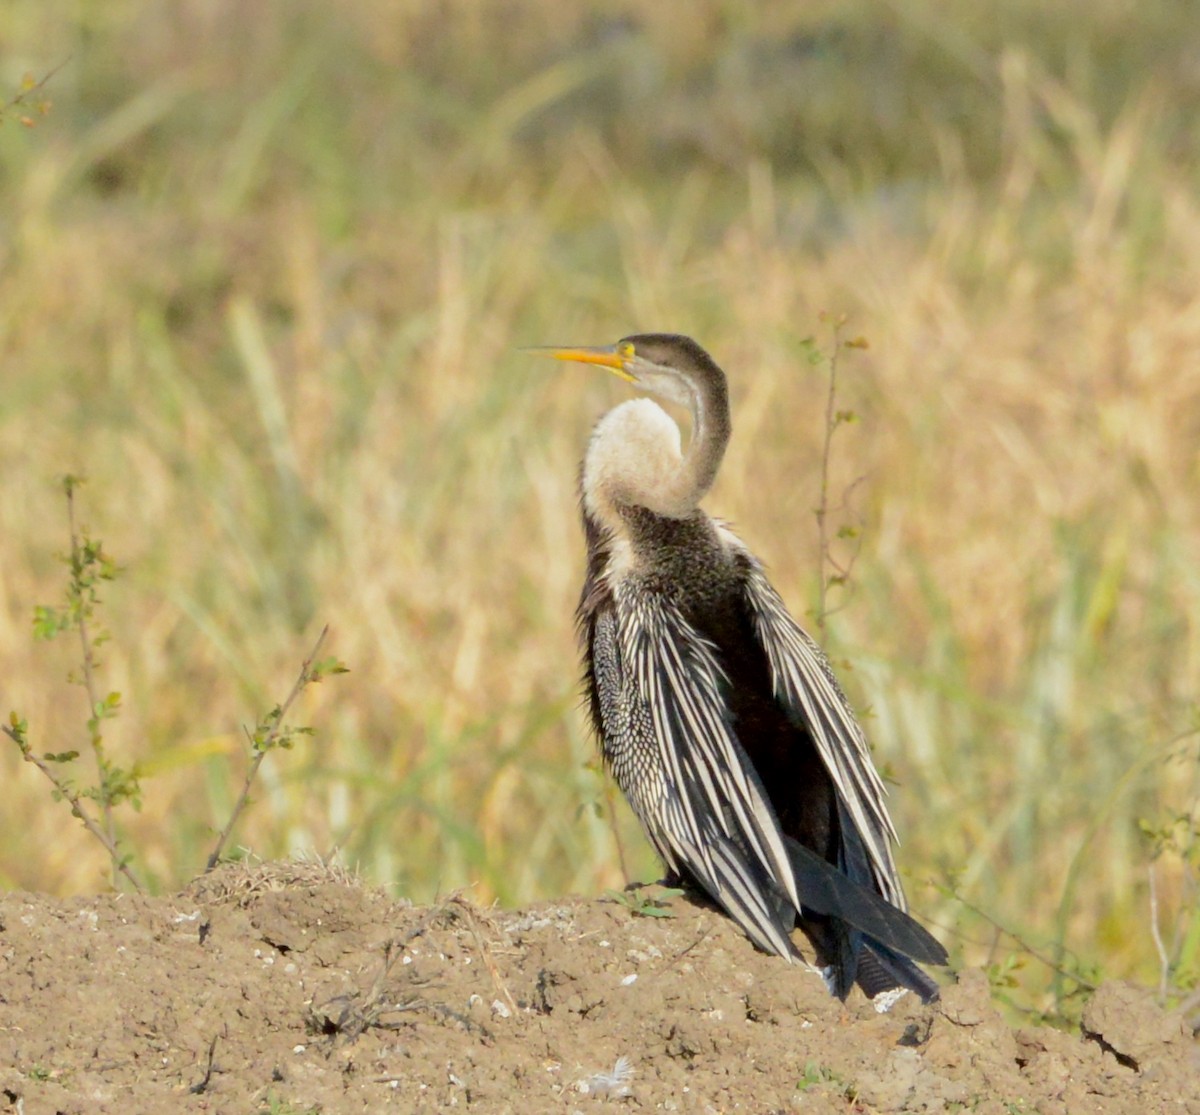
(288, 988)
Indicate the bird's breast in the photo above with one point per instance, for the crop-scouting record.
(684, 560)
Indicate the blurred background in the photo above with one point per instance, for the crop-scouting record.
(264, 274)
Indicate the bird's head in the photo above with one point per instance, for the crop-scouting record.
(668, 365)
(633, 458)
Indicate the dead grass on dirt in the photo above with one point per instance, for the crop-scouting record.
(240, 882)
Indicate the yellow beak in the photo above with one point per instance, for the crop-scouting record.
(607, 356)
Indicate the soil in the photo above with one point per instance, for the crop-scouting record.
(290, 988)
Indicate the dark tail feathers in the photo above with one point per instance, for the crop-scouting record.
(863, 937)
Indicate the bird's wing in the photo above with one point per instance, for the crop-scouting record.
(710, 815)
(804, 684)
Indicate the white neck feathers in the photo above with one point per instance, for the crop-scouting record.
(635, 459)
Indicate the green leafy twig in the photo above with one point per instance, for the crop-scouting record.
(88, 566)
(18, 731)
(271, 733)
(833, 573)
(1000, 975)
(29, 86)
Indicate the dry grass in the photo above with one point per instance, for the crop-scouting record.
(265, 289)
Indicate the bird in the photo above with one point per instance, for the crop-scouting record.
(719, 718)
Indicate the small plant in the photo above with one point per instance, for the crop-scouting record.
(274, 1104)
(88, 568)
(271, 732)
(1002, 972)
(1075, 978)
(835, 572)
(30, 99)
(817, 1075)
(645, 905)
(813, 1074)
(1176, 837)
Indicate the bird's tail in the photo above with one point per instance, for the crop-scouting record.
(860, 936)
(880, 969)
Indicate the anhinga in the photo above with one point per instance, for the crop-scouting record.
(718, 716)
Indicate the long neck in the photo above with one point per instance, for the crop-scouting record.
(711, 427)
(634, 457)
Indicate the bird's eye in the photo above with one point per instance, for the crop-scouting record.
(626, 350)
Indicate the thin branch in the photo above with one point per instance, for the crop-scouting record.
(265, 744)
(1074, 977)
(823, 503)
(463, 909)
(19, 99)
(842, 570)
(89, 678)
(76, 803)
(357, 1012)
(201, 1086)
(831, 571)
(704, 935)
(610, 800)
(1164, 961)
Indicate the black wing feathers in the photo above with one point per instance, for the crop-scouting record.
(825, 890)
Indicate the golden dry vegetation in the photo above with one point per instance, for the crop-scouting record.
(264, 275)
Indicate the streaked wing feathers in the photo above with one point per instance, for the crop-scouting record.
(716, 818)
(805, 685)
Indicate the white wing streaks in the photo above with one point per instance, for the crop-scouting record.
(715, 817)
(805, 684)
